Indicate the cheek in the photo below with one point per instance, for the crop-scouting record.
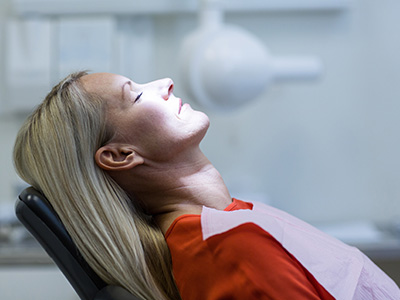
(153, 123)
(154, 132)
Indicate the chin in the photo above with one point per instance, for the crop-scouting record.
(205, 126)
(205, 120)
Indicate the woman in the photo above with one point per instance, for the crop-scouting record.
(121, 164)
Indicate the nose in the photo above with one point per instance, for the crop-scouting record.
(166, 88)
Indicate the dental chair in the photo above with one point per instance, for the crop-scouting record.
(37, 215)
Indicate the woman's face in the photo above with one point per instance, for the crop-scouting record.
(148, 116)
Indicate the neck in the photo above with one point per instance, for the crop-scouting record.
(169, 191)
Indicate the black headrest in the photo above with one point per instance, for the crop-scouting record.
(37, 215)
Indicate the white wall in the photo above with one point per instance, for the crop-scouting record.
(324, 150)
(34, 283)
(8, 124)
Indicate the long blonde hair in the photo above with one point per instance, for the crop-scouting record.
(54, 152)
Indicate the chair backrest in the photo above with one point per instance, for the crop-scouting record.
(37, 215)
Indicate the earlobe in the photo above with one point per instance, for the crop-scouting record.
(117, 157)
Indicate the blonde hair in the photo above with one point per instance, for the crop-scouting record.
(54, 152)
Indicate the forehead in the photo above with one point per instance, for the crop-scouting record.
(104, 84)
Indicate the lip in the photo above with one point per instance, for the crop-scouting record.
(180, 105)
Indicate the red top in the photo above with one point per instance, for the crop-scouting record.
(244, 263)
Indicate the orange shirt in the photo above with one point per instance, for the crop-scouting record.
(243, 263)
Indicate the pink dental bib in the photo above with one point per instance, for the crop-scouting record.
(344, 271)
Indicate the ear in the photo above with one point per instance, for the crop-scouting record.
(117, 157)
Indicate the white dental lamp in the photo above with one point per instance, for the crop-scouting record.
(224, 66)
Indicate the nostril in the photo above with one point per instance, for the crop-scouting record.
(168, 89)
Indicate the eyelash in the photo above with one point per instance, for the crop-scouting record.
(138, 97)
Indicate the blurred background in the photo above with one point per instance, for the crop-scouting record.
(324, 149)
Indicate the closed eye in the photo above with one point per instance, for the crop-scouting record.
(138, 97)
